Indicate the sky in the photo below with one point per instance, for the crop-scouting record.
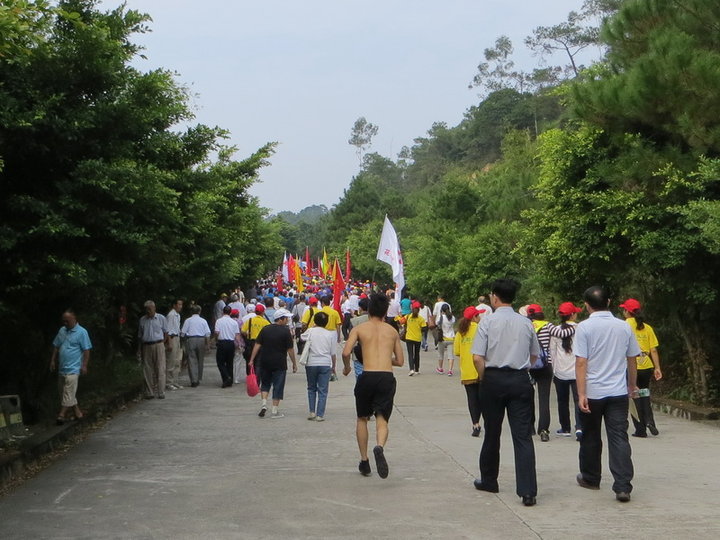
(301, 73)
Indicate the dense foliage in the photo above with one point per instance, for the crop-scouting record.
(105, 202)
(610, 176)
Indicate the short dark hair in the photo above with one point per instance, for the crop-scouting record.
(321, 319)
(326, 300)
(227, 310)
(378, 305)
(505, 289)
(363, 304)
(196, 309)
(597, 297)
(269, 301)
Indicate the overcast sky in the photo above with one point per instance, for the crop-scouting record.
(301, 73)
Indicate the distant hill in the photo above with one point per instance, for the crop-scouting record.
(310, 214)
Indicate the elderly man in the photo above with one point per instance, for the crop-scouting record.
(152, 338)
(72, 347)
(196, 332)
(606, 373)
(504, 348)
(227, 333)
(173, 351)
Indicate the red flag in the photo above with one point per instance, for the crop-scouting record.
(279, 281)
(308, 264)
(347, 265)
(338, 287)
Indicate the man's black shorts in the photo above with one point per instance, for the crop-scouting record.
(374, 394)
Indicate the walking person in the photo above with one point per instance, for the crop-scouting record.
(226, 333)
(414, 324)
(276, 343)
(426, 313)
(606, 369)
(469, 378)
(320, 365)
(361, 317)
(503, 349)
(446, 338)
(152, 336)
(375, 387)
(648, 366)
(437, 308)
(173, 350)
(563, 366)
(254, 323)
(71, 355)
(542, 371)
(196, 332)
(298, 310)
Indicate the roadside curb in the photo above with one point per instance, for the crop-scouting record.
(682, 409)
(48, 438)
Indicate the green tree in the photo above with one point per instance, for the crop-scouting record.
(361, 136)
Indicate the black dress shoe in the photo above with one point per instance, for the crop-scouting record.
(529, 500)
(194, 385)
(584, 483)
(484, 487)
(622, 496)
(640, 435)
(653, 430)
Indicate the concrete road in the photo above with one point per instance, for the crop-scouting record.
(201, 464)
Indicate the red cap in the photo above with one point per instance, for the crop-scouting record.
(631, 305)
(534, 308)
(568, 308)
(363, 295)
(312, 300)
(259, 308)
(472, 311)
(235, 312)
(415, 305)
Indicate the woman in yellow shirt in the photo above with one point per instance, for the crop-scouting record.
(468, 373)
(414, 324)
(648, 366)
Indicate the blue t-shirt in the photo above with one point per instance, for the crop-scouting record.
(405, 306)
(71, 344)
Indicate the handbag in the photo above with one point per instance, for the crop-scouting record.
(403, 332)
(305, 356)
(251, 384)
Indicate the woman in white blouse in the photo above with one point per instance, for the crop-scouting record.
(320, 364)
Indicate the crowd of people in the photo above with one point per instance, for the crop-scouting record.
(503, 358)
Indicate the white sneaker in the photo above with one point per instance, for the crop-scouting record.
(311, 416)
(319, 419)
(277, 415)
(178, 386)
(411, 373)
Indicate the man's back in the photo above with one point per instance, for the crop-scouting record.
(379, 341)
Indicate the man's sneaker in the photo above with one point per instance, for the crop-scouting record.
(449, 373)
(333, 377)
(563, 433)
(178, 386)
(622, 496)
(277, 415)
(319, 419)
(476, 431)
(578, 435)
(380, 462)
(364, 468)
(544, 435)
(311, 416)
(653, 430)
(440, 370)
(263, 411)
(169, 387)
(412, 372)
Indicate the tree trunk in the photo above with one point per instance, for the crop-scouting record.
(698, 367)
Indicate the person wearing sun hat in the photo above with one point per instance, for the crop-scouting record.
(563, 365)
(648, 366)
(469, 377)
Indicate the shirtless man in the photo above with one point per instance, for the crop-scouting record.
(375, 387)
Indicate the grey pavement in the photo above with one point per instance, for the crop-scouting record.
(201, 464)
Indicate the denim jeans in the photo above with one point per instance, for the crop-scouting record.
(615, 412)
(318, 381)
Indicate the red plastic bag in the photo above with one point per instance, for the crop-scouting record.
(251, 383)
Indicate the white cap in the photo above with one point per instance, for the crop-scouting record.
(280, 313)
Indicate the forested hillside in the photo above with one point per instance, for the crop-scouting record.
(568, 176)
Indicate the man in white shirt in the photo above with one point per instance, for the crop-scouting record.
(196, 333)
(392, 312)
(235, 303)
(173, 351)
(226, 333)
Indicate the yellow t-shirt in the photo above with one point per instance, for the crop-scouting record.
(414, 326)
(461, 348)
(254, 327)
(647, 340)
(334, 319)
(309, 315)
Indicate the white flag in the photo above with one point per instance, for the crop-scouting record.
(389, 252)
(285, 275)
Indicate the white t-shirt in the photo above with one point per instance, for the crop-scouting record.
(425, 312)
(563, 362)
(323, 345)
(448, 326)
(436, 309)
